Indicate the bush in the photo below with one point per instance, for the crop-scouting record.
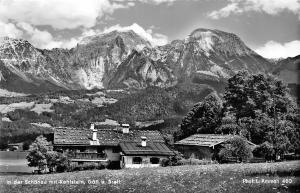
(224, 154)
(237, 148)
(175, 158)
(193, 161)
(100, 167)
(172, 160)
(265, 150)
(62, 162)
(89, 166)
(165, 162)
(77, 168)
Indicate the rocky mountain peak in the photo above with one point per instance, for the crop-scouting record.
(218, 41)
(7, 41)
(126, 59)
(16, 48)
(130, 39)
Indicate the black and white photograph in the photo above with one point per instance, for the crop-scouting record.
(149, 96)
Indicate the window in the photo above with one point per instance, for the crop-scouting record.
(154, 160)
(80, 163)
(137, 160)
(116, 150)
(100, 150)
(82, 149)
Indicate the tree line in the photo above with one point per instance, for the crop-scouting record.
(257, 107)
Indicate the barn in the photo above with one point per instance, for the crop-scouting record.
(203, 146)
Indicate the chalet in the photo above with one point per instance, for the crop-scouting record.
(114, 145)
(204, 146)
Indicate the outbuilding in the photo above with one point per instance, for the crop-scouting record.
(204, 146)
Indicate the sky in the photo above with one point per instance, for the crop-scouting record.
(269, 27)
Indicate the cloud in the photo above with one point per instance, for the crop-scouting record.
(274, 49)
(60, 14)
(267, 6)
(158, 1)
(10, 29)
(156, 39)
(43, 39)
(22, 18)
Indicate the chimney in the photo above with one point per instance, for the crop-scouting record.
(94, 132)
(144, 141)
(92, 126)
(125, 128)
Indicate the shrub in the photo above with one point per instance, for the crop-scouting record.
(193, 161)
(100, 167)
(62, 162)
(89, 166)
(172, 160)
(165, 162)
(265, 150)
(237, 148)
(175, 158)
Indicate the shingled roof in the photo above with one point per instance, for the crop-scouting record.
(69, 135)
(107, 136)
(204, 140)
(208, 140)
(152, 148)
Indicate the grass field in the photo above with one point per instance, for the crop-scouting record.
(284, 177)
(14, 162)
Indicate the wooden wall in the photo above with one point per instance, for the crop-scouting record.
(111, 155)
(198, 152)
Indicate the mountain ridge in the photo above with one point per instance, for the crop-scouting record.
(126, 60)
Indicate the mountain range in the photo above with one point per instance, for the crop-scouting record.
(126, 60)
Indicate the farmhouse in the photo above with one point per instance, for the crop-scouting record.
(203, 146)
(118, 146)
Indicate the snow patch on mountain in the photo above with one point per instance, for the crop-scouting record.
(205, 41)
(219, 71)
(209, 73)
(140, 47)
(89, 78)
(152, 75)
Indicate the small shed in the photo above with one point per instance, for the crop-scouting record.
(203, 146)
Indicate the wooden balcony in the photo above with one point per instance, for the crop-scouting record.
(87, 156)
